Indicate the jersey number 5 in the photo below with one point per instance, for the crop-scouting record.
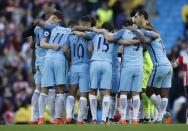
(105, 46)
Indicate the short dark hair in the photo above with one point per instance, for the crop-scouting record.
(133, 13)
(127, 22)
(93, 21)
(108, 25)
(86, 18)
(58, 14)
(72, 23)
(144, 13)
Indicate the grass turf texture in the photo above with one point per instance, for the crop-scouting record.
(148, 127)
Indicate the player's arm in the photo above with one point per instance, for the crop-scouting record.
(107, 36)
(85, 35)
(66, 49)
(82, 28)
(80, 34)
(140, 36)
(90, 49)
(66, 52)
(44, 44)
(151, 34)
(128, 42)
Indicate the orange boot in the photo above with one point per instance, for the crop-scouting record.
(58, 121)
(68, 120)
(41, 121)
(134, 122)
(122, 122)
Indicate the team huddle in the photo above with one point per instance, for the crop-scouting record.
(81, 57)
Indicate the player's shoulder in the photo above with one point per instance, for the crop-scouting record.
(120, 31)
(37, 29)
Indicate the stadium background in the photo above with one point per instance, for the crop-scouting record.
(169, 17)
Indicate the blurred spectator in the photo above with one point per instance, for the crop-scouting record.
(178, 85)
(23, 114)
(104, 13)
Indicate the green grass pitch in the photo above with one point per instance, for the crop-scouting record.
(148, 127)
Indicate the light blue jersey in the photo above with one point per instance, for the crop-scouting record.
(101, 62)
(102, 50)
(132, 54)
(131, 73)
(161, 75)
(55, 65)
(156, 50)
(59, 35)
(79, 52)
(79, 70)
(40, 53)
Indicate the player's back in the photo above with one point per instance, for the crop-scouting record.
(79, 52)
(40, 52)
(157, 52)
(59, 36)
(102, 50)
(132, 54)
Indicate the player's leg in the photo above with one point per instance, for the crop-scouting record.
(136, 89)
(60, 76)
(42, 104)
(112, 109)
(93, 104)
(35, 98)
(114, 91)
(67, 86)
(166, 84)
(73, 80)
(124, 88)
(34, 105)
(146, 105)
(70, 103)
(154, 83)
(145, 101)
(129, 114)
(152, 112)
(141, 110)
(105, 85)
(84, 91)
(94, 80)
(47, 82)
(59, 104)
(36, 94)
(51, 104)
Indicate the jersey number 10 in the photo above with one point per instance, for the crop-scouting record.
(78, 51)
